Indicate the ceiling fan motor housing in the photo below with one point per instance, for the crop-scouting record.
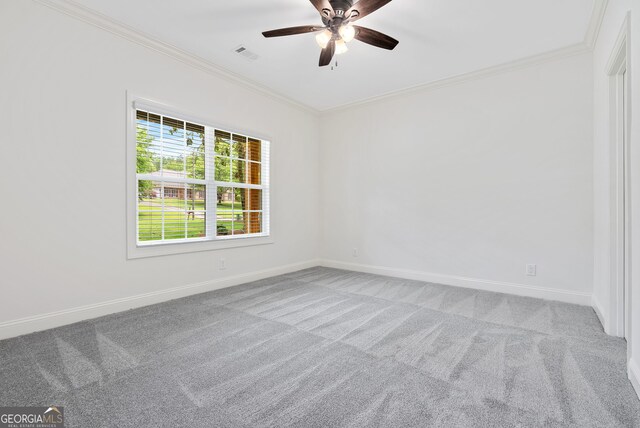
(339, 7)
(342, 5)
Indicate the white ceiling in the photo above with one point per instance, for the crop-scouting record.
(438, 39)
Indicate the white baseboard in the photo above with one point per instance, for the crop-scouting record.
(600, 312)
(634, 375)
(567, 296)
(69, 316)
(46, 321)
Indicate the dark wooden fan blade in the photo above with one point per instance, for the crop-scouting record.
(327, 53)
(364, 8)
(375, 38)
(324, 7)
(292, 31)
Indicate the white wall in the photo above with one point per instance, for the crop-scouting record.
(62, 178)
(467, 184)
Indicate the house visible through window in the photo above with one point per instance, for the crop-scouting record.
(197, 182)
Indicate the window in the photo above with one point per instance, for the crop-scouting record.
(197, 183)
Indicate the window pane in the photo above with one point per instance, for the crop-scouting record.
(146, 190)
(196, 224)
(193, 128)
(238, 199)
(174, 196)
(222, 145)
(174, 224)
(239, 221)
(196, 197)
(147, 142)
(254, 150)
(196, 210)
(173, 148)
(254, 171)
(175, 213)
(239, 146)
(195, 151)
(144, 154)
(149, 225)
(223, 169)
(239, 171)
(254, 222)
(149, 212)
(245, 222)
(224, 223)
(248, 200)
(225, 198)
(254, 200)
(156, 145)
(224, 211)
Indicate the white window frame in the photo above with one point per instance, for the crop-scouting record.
(136, 249)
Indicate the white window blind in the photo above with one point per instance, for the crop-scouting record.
(196, 182)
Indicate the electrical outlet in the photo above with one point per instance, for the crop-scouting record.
(355, 252)
(223, 264)
(532, 270)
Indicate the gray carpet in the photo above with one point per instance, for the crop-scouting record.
(329, 348)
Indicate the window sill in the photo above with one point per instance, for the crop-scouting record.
(137, 251)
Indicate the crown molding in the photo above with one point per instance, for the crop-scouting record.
(106, 23)
(92, 17)
(590, 39)
(530, 61)
(597, 16)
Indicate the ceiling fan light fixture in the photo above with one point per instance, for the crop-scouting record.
(341, 47)
(324, 38)
(347, 32)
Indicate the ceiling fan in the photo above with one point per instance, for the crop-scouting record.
(338, 30)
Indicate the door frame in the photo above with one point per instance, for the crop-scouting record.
(619, 120)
